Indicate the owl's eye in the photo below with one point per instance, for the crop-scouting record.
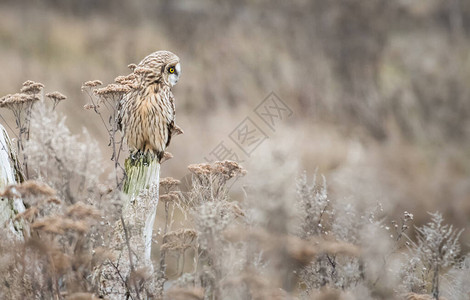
(171, 70)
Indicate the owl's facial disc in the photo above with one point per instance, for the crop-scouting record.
(175, 75)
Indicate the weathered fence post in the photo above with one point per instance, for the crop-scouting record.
(132, 242)
(9, 174)
(143, 174)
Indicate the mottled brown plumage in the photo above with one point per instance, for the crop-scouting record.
(147, 113)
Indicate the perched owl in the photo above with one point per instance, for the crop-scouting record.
(147, 113)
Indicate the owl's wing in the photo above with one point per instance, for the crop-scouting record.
(171, 123)
(122, 108)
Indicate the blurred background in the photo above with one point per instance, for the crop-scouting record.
(379, 90)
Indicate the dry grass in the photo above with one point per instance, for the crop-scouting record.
(380, 98)
(418, 103)
(222, 249)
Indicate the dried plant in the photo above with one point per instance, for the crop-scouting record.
(212, 247)
(209, 180)
(314, 206)
(21, 105)
(437, 247)
(56, 255)
(233, 256)
(49, 156)
(457, 286)
(105, 102)
(56, 97)
(210, 212)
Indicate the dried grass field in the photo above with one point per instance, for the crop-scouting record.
(325, 152)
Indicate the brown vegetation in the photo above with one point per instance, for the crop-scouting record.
(379, 93)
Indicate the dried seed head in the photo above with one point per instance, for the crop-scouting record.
(169, 183)
(56, 96)
(120, 79)
(28, 83)
(92, 83)
(229, 169)
(32, 87)
(129, 80)
(170, 197)
(14, 101)
(112, 89)
(200, 169)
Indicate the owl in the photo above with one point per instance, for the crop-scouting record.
(146, 115)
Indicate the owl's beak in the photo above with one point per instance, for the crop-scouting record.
(173, 78)
(178, 70)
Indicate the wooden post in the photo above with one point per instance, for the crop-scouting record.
(9, 174)
(143, 174)
(132, 243)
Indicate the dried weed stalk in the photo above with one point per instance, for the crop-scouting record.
(21, 105)
(105, 103)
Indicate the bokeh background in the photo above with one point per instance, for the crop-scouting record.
(380, 90)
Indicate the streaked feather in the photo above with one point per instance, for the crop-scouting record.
(147, 114)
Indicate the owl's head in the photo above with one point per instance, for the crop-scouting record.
(165, 66)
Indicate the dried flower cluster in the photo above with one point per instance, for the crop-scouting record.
(55, 254)
(105, 102)
(130, 81)
(169, 183)
(56, 97)
(31, 87)
(112, 90)
(91, 83)
(211, 179)
(17, 102)
(21, 105)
